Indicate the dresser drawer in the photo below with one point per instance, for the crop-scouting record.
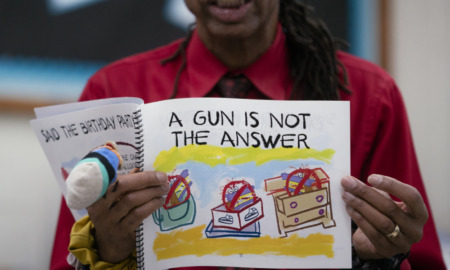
(306, 216)
(292, 205)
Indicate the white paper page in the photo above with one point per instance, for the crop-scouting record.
(47, 111)
(67, 138)
(242, 161)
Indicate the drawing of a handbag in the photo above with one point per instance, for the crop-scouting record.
(179, 208)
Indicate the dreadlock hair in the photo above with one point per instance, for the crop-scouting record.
(313, 65)
(180, 51)
(312, 54)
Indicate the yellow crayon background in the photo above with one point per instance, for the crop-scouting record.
(192, 242)
(181, 242)
(212, 155)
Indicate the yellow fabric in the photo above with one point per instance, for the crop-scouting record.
(82, 246)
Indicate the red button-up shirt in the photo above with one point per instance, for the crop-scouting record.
(381, 140)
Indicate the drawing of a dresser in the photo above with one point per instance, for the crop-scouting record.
(302, 199)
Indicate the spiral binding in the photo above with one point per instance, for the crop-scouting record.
(140, 247)
(139, 142)
(139, 135)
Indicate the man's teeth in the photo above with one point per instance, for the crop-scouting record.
(230, 3)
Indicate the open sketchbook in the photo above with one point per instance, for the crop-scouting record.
(254, 183)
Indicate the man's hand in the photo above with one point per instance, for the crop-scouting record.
(126, 203)
(377, 215)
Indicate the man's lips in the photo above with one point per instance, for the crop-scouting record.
(229, 3)
(229, 11)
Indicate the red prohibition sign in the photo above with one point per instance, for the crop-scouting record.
(306, 175)
(179, 179)
(230, 206)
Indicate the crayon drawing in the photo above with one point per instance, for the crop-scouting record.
(239, 213)
(179, 207)
(265, 179)
(302, 199)
(233, 222)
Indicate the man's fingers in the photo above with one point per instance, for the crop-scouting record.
(128, 184)
(131, 182)
(369, 214)
(406, 193)
(138, 214)
(140, 180)
(382, 192)
(125, 205)
(374, 198)
(373, 245)
(134, 170)
(383, 212)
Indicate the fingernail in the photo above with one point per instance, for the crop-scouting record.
(162, 177)
(375, 179)
(348, 182)
(347, 196)
(165, 187)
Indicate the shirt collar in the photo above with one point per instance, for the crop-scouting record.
(269, 74)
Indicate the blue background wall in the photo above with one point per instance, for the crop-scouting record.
(49, 48)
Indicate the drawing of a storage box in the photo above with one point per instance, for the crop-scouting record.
(303, 208)
(238, 219)
(304, 205)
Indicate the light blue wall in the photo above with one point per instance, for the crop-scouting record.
(62, 81)
(44, 79)
(363, 27)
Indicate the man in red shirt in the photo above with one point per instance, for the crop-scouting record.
(286, 55)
